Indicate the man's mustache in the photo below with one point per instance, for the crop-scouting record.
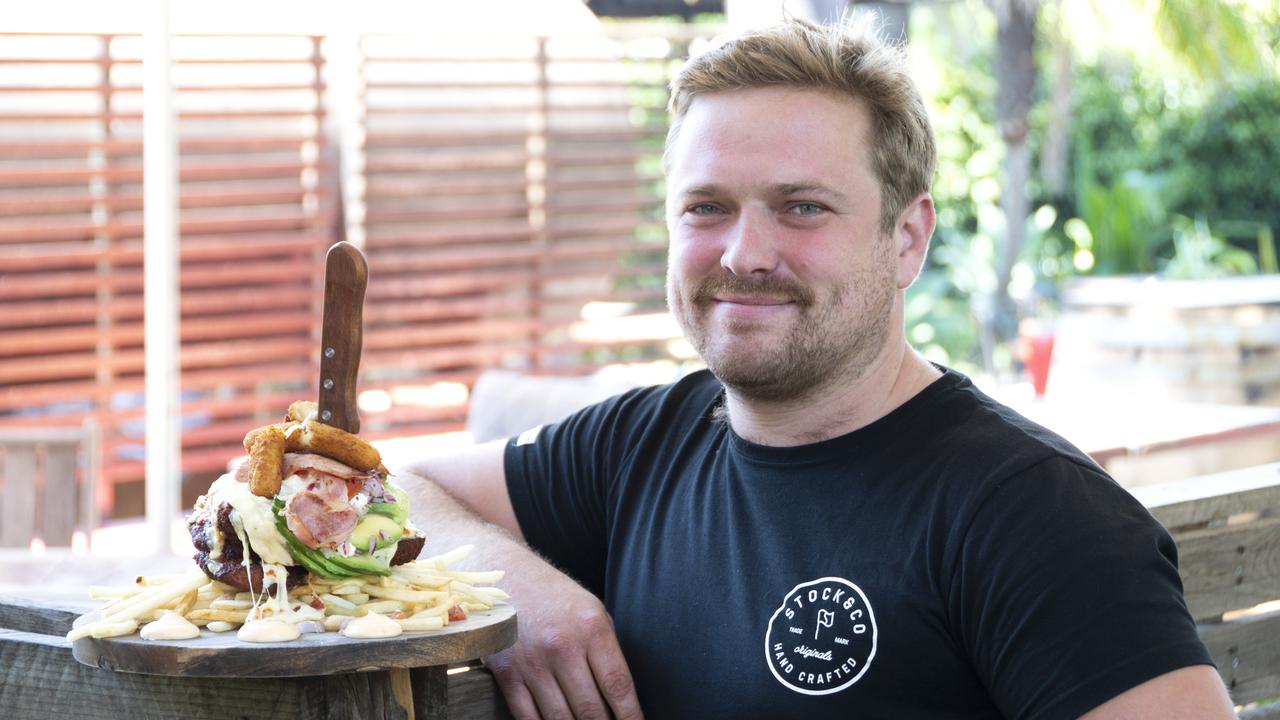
(737, 285)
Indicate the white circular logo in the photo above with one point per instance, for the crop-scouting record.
(822, 638)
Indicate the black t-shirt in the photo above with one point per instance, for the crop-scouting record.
(950, 560)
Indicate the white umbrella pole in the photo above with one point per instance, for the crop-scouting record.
(160, 270)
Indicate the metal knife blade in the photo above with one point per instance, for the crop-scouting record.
(346, 275)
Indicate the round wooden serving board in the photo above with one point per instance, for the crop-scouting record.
(222, 655)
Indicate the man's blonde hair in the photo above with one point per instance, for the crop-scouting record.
(846, 60)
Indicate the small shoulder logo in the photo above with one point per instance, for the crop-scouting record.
(822, 638)
(528, 437)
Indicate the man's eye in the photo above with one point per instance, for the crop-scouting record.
(703, 209)
(807, 208)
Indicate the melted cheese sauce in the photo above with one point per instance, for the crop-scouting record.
(273, 618)
(170, 626)
(373, 625)
(253, 514)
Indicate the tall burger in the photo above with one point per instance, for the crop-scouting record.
(310, 498)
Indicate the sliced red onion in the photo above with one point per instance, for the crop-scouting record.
(377, 491)
(310, 626)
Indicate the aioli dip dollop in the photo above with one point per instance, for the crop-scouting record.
(373, 625)
(268, 630)
(170, 626)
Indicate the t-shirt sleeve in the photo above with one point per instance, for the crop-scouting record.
(557, 478)
(1067, 593)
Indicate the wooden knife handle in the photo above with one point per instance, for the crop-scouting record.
(346, 275)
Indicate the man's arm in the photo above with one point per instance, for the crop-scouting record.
(1190, 693)
(473, 476)
(567, 662)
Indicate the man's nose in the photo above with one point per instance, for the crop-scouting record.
(750, 246)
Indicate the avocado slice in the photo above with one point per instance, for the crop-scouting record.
(360, 564)
(381, 530)
(398, 510)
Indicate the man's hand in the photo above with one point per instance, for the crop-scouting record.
(567, 662)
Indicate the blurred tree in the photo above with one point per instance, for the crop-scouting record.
(1212, 38)
(1015, 90)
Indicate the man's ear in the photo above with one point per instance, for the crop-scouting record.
(911, 236)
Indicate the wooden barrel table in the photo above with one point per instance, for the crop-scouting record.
(321, 675)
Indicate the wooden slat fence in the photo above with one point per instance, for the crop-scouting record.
(508, 187)
(257, 201)
(508, 190)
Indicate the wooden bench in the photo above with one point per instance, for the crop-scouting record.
(1227, 527)
(48, 480)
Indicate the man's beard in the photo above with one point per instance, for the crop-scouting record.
(820, 347)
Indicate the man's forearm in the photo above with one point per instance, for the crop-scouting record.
(567, 661)
(474, 477)
(447, 523)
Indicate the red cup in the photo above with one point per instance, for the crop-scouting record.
(1039, 351)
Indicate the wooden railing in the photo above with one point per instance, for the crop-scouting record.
(1227, 527)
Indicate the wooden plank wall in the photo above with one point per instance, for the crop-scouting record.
(257, 207)
(508, 186)
(507, 189)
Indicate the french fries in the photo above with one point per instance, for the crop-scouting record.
(228, 616)
(405, 595)
(417, 595)
(109, 629)
(186, 602)
(424, 624)
(384, 607)
(337, 605)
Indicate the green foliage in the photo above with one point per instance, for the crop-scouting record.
(1222, 159)
(1199, 254)
(1126, 222)
(1211, 38)
(1153, 145)
(956, 286)
(1150, 150)
(1117, 118)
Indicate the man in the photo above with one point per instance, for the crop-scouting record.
(823, 524)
